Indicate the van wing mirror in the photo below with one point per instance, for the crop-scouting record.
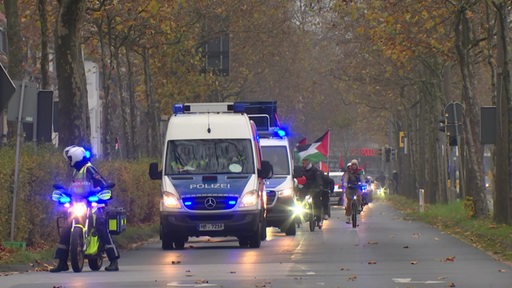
(266, 170)
(154, 173)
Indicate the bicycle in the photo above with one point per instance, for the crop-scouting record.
(309, 214)
(355, 206)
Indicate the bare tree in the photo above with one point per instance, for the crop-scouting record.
(74, 126)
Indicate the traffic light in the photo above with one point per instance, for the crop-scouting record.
(452, 140)
(442, 124)
(381, 153)
(394, 154)
(388, 154)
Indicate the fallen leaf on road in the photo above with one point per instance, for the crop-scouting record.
(406, 246)
(201, 281)
(264, 284)
(373, 242)
(175, 262)
(413, 262)
(441, 277)
(372, 262)
(451, 284)
(344, 269)
(449, 259)
(502, 270)
(352, 278)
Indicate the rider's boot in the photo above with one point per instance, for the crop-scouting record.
(112, 255)
(114, 266)
(348, 220)
(61, 266)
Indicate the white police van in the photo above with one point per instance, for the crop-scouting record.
(275, 148)
(212, 176)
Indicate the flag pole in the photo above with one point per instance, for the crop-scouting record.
(328, 151)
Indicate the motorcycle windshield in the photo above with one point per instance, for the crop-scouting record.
(209, 156)
(80, 188)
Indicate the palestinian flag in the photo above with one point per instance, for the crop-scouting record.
(316, 151)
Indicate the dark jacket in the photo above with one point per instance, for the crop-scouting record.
(314, 179)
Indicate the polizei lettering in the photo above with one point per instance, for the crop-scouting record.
(210, 186)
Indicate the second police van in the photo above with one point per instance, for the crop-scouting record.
(275, 148)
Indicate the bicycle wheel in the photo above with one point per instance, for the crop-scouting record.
(354, 213)
(311, 218)
(320, 219)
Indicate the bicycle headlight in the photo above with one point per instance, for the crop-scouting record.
(285, 192)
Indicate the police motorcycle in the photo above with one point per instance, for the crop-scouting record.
(82, 201)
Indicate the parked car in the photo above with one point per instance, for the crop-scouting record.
(338, 197)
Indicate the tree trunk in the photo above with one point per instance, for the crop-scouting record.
(124, 135)
(503, 180)
(132, 110)
(74, 126)
(154, 136)
(41, 8)
(107, 138)
(16, 48)
(473, 163)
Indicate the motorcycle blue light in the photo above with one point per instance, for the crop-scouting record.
(188, 203)
(93, 198)
(87, 154)
(232, 202)
(64, 199)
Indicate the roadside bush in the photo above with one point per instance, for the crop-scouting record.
(42, 166)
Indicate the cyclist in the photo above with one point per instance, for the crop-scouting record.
(354, 177)
(314, 182)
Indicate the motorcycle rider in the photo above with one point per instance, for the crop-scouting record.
(85, 171)
(354, 176)
(314, 185)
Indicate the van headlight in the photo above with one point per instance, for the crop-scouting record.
(249, 199)
(171, 200)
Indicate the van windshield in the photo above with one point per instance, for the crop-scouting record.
(278, 157)
(209, 156)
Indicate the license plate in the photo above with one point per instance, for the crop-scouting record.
(211, 227)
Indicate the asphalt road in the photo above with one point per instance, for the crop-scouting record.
(384, 251)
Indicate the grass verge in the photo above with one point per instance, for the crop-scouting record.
(451, 218)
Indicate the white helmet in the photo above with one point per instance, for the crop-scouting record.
(74, 154)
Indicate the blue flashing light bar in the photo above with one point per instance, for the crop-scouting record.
(280, 132)
(178, 108)
(239, 107)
